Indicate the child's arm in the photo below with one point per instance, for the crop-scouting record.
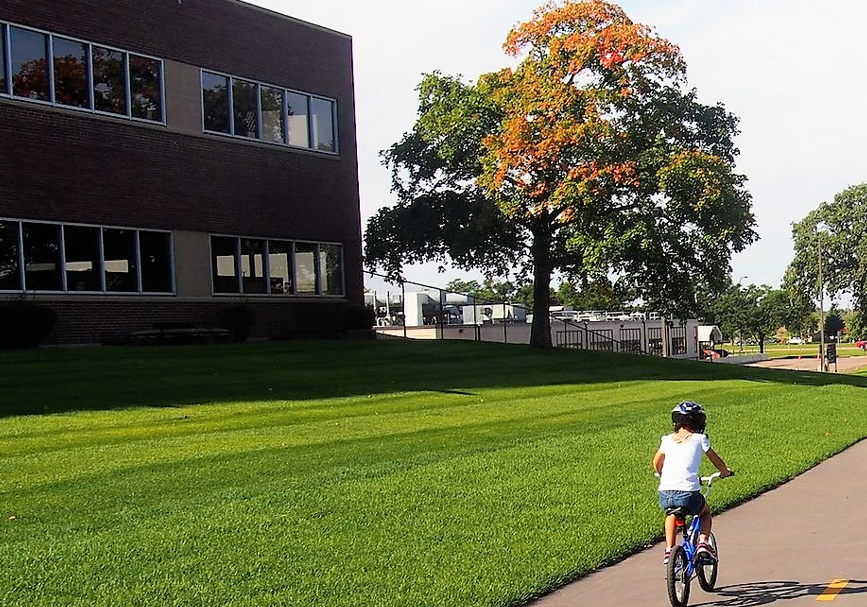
(658, 460)
(717, 461)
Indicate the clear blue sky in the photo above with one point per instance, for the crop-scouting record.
(790, 70)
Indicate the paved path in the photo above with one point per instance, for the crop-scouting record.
(784, 548)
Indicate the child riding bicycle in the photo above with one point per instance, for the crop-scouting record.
(677, 464)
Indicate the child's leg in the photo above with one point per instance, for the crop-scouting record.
(670, 531)
(704, 523)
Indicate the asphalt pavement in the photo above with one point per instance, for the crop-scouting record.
(801, 543)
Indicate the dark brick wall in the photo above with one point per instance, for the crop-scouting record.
(81, 321)
(62, 165)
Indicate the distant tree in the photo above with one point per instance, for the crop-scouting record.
(841, 229)
(834, 323)
(590, 157)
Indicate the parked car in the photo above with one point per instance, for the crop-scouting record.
(861, 343)
(796, 341)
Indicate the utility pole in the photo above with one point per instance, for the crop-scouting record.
(821, 308)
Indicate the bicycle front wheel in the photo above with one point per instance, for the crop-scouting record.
(707, 572)
(677, 577)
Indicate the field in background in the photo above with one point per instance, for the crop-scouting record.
(356, 474)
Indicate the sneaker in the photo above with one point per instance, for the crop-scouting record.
(705, 552)
(666, 556)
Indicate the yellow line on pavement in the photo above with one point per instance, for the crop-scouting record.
(833, 589)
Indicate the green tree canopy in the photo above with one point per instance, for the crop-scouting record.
(836, 231)
(590, 157)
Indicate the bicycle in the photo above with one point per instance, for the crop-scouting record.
(684, 564)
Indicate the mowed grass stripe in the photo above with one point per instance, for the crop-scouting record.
(480, 488)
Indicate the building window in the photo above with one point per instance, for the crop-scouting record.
(120, 267)
(280, 267)
(253, 266)
(42, 261)
(28, 53)
(245, 111)
(82, 258)
(155, 253)
(253, 110)
(215, 102)
(331, 266)
(298, 125)
(10, 257)
(70, 73)
(4, 80)
(322, 113)
(146, 85)
(271, 101)
(224, 256)
(276, 267)
(109, 81)
(305, 268)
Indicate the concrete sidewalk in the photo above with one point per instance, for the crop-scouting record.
(783, 548)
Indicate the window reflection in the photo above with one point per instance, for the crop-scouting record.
(297, 116)
(81, 249)
(29, 64)
(10, 274)
(215, 102)
(253, 266)
(145, 85)
(42, 257)
(119, 252)
(70, 73)
(155, 250)
(331, 264)
(272, 114)
(224, 264)
(4, 80)
(109, 81)
(280, 267)
(305, 268)
(323, 124)
(246, 115)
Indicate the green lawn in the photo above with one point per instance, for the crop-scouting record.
(364, 473)
(794, 350)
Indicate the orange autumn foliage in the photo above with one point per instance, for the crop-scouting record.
(558, 141)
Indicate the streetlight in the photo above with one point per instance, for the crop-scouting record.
(821, 228)
(740, 318)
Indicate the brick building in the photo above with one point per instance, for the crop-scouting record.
(161, 160)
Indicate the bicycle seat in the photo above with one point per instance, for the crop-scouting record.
(677, 511)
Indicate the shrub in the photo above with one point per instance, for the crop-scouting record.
(358, 317)
(237, 320)
(25, 324)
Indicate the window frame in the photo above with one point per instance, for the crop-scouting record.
(291, 245)
(260, 138)
(61, 227)
(6, 26)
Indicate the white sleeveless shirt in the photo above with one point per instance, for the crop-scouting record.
(682, 461)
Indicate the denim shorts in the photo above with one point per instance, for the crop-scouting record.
(693, 501)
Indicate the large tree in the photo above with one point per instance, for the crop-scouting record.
(836, 233)
(590, 157)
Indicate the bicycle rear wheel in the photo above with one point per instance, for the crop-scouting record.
(677, 577)
(707, 573)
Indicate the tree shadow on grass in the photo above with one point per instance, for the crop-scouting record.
(72, 379)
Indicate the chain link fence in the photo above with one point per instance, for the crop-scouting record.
(418, 311)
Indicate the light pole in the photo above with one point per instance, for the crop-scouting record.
(740, 317)
(821, 228)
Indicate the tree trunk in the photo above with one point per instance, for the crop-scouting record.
(540, 331)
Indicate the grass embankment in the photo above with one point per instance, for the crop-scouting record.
(359, 474)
